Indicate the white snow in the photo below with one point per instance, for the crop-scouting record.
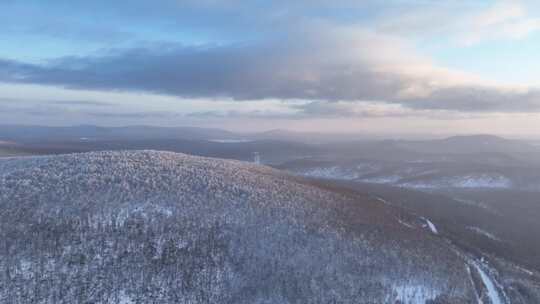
(382, 200)
(482, 181)
(414, 294)
(431, 226)
(383, 179)
(406, 224)
(467, 181)
(334, 172)
(492, 292)
(25, 268)
(484, 233)
(478, 299)
(367, 168)
(472, 203)
(125, 299)
(525, 270)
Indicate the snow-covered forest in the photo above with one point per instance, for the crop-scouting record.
(157, 227)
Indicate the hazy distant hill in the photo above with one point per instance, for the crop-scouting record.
(472, 144)
(156, 227)
(22, 133)
(293, 145)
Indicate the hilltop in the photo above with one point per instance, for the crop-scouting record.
(145, 226)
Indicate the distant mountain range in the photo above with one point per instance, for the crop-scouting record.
(91, 132)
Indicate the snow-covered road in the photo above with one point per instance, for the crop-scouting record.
(431, 226)
(489, 283)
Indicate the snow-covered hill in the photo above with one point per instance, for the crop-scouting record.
(159, 227)
(422, 175)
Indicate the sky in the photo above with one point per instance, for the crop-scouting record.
(381, 67)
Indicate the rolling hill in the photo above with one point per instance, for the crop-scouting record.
(160, 227)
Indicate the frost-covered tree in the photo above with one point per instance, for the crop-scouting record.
(155, 227)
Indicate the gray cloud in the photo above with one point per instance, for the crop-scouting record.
(479, 98)
(325, 109)
(35, 110)
(315, 109)
(54, 110)
(245, 114)
(314, 62)
(131, 115)
(330, 109)
(84, 103)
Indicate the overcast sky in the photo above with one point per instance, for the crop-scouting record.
(396, 66)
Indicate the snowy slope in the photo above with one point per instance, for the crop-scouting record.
(422, 175)
(157, 227)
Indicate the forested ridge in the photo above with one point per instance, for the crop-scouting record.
(157, 227)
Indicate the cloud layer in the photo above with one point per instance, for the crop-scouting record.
(319, 63)
(336, 63)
